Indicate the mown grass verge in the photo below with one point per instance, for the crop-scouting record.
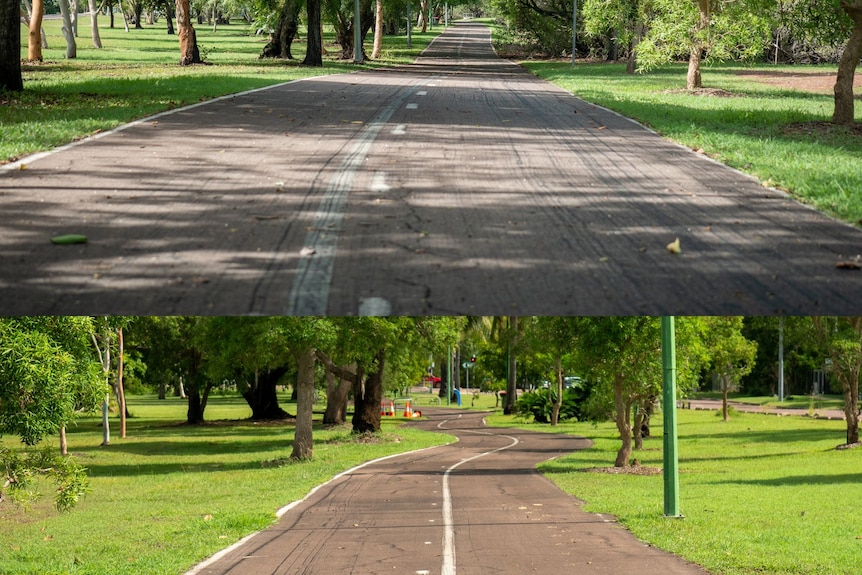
(170, 495)
(779, 135)
(136, 74)
(760, 494)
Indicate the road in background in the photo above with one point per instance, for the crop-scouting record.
(477, 506)
(461, 184)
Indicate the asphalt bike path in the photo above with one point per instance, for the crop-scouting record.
(460, 184)
(477, 506)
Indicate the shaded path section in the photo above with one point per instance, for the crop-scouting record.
(479, 189)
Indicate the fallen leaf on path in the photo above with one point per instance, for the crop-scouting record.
(266, 217)
(674, 247)
(306, 251)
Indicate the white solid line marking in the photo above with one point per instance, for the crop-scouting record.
(448, 521)
(399, 130)
(374, 306)
(412, 106)
(309, 294)
(422, 93)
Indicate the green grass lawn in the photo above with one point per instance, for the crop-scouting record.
(802, 402)
(753, 130)
(170, 495)
(136, 74)
(760, 494)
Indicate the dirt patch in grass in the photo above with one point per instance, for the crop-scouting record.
(818, 82)
(630, 470)
(821, 129)
(713, 92)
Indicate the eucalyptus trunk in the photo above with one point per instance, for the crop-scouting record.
(94, 23)
(34, 42)
(694, 79)
(303, 439)
(189, 53)
(843, 113)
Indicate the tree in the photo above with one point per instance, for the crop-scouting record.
(314, 41)
(340, 14)
(285, 31)
(68, 30)
(49, 376)
(844, 112)
(94, 23)
(623, 356)
(10, 47)
(378, 30)
(621, 19)
(840, 339)
(34, 41)
(556, 336)
(189, 53)
(732, 354)
(715, 29)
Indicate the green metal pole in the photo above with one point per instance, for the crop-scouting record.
(671, 459)
(449, 375)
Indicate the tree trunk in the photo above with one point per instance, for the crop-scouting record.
(64, 445)
(303, 439)
(422, 18)
(10, 47)
(285, 31)
(725, 389)
(125, 17)
(169, 18)
(378, 30)
(34, 41)
(638, 427)
(68, 32)
(337, 391)
(195, 413)
(189, 53)
(314, 41)
(558, 400)
(622, 417)
(511, 383)
(106, 422)
(94, 23)
(843, 113)
(367, 394)
(121, 393)
(262, 396)
(694, 79)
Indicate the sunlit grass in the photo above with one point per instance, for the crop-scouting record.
(754, 129)
(170, 495)
(760, 494)
(136, 74)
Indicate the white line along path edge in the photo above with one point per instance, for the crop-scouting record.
(448, 520)
(281, 512)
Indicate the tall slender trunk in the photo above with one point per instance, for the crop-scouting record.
(34, 41)
(511, 383)
(10, 47)
(843, 113)
(106, 422)
(169, 18)
(94, 23)
(378, 30)
(558, 386)
(121, 392)
(68, 30)
(303, 439)
(698, 44)
(337, 392)
(64, 444)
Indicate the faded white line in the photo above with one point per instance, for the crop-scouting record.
(374, 306)
(448, 520)
(378, 183)
(422, 93)
(399, 130)
(309, 294)
(412, 106)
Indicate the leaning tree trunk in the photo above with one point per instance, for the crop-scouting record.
(337, 392)
(622, 416)
(314, 40)
(843, 113)
(34, 42)
(285, 31)
(694, 79)
(367, 394)
(189, 53)
(303, 439)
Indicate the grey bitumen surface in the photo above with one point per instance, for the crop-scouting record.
(473, 507)
(461, 184)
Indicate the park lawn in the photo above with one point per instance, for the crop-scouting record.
(136, 75)
(170, 495)
(801, 402)
(766, 131)
(760, 494)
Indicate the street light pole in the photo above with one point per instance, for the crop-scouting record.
(671, 459)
